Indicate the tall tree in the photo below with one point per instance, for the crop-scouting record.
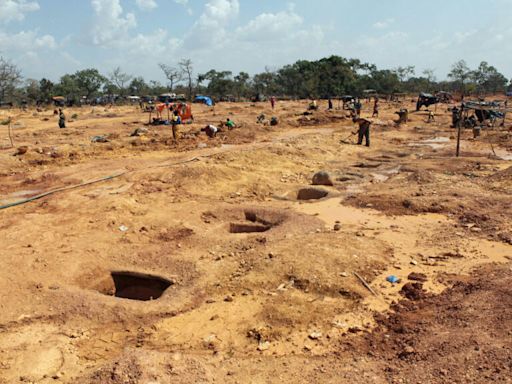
(10, 77)
(187, 70)
(46, 88)
(120, 79)
(460, 73)
(488, 79)
(89, 81)
(241, 83)
(404, 73)
(138, 87)
(172, 74)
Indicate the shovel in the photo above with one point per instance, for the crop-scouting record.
(345, 140)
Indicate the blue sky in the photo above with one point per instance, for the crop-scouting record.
(48, 38)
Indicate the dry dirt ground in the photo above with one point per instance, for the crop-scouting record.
(258, 286)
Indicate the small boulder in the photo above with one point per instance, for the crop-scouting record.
(21, 150)
(139, 132)
(311, 194)
(322, 178)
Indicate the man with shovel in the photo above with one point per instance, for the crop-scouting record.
(364, 130)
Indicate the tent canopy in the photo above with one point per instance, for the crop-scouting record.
(203, 99)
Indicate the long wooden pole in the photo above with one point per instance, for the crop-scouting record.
(10, 133)
(459, 123)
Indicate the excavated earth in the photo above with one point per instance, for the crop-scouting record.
(216, 260)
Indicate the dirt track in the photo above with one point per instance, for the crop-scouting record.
(282, 303)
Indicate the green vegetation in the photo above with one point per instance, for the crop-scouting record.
(328, 77)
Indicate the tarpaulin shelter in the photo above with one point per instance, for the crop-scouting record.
(204, 99)
(184, 110)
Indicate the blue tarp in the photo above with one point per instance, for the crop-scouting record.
(204, 99)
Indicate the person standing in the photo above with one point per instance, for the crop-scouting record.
(62, 119)
(176, 120)
(329, 104)
(357, 107)
(273, 102)
(376, 107)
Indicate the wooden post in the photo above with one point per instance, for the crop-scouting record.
(150, 112)
(10, 133)
(458, 130)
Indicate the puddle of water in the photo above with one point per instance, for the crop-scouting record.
(434, 143)
(14, 196)
(503, 155)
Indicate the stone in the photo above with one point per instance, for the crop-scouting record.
(263, 346)
(311, 193)
(21, 150)
(315, 335)
(322, 178)
(139, 132)
(337, 227)
(416, 276)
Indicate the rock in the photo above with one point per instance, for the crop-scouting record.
(344, 274)
(139, 132)
(263, 346)
(315, 335)
(21, 150)
(322, 178)
(415, 276)
(311, 193)
(99, 139)
(414, 262)
(476, 229)
(228, 299)
(337, 227)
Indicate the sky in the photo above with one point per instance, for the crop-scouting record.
(48, 38)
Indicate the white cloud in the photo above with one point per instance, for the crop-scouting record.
(270, 26)
(383, 23)
(146, 5)
(110, 23)
(26, 41)
(211, 27)
(15, 10)
(181, 2)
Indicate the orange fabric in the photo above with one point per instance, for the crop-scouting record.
(184, 109)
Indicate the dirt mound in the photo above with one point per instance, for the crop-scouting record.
(476, 319)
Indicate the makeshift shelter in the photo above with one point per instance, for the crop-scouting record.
(59, 101)
(184, 110)
(203, 99)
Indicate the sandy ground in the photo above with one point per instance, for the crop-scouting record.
(262, 287)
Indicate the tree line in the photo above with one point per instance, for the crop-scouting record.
(328, 77)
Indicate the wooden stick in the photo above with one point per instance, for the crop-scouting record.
(365, 284)
(10, 133)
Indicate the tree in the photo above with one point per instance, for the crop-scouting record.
(404, 73)
(488, 79)
(46, 89)
(172, 74)
(120, 79)
(10, 77)
(460, 73)
(187, 72)
(138, 87)
(89, 82)
(219, 83)
(241, 84)
(32, 90)
(68, 88)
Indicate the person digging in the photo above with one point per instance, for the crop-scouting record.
(364, 130)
